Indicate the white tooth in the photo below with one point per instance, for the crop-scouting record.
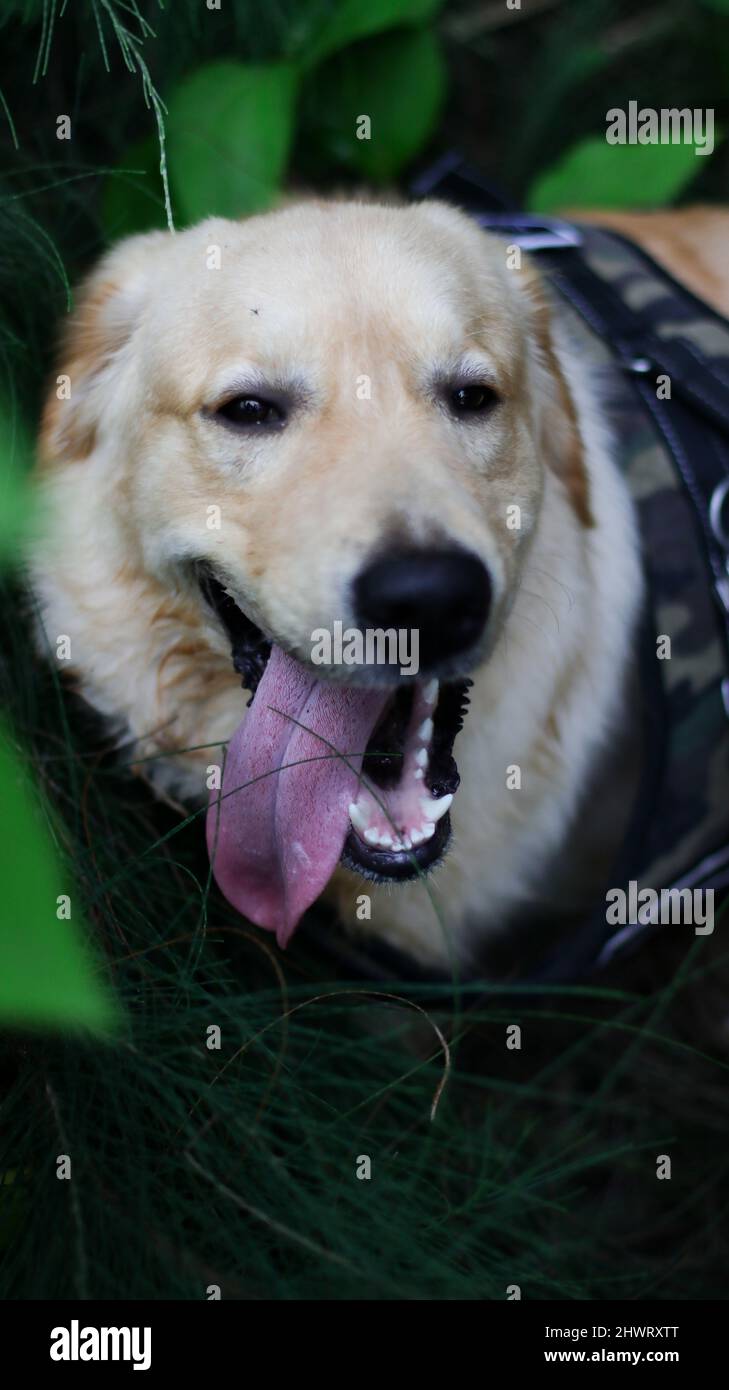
(407, 842)
(418, 774)
(386, 841)
(425, 731)
(372, 836)
(397, 846)
(428, 830)
(436, 809)
(421, 757)
(416, 837)
(359, 816)
(430, 694)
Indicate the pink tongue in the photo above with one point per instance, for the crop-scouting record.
(276, 842)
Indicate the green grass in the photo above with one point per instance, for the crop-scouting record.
(237, 1167)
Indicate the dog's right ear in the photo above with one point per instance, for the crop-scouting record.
(102, 323)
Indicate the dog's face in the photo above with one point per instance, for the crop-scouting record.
(332, 414)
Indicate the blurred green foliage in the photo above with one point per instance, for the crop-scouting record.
(46, 973)
(595, 174)
(229, 133)
(230, 126)
(46, 978)
(532, 86)
(398, 81)
(16, 451)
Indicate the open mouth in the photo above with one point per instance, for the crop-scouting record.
(400, 822)
(399, 774)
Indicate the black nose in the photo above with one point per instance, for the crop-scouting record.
(444, 594)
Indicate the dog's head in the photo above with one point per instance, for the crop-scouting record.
(331, 425)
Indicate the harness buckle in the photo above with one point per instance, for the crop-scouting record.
(531, 233)
(720, 521)
(722, 590)
(484, 201)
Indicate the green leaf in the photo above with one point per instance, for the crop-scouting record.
(397, 82)
(16, 451)
(229, 131)
(556, 78)
(721, 6)
(46, 976)
(351, 20)
(133, 199)
(595, 174)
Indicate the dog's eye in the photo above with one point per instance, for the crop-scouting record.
(249, 410)
(468, 400)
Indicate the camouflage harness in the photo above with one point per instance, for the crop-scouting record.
(664, 356)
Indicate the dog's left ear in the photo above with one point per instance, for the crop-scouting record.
(560, 435)
(102, 323)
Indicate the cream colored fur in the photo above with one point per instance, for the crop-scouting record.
(327, 295)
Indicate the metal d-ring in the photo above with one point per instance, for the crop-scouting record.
(719, 524)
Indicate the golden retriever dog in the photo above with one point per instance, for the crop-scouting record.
(345, 413)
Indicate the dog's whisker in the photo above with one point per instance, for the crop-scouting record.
(527, 593)
(536, 569)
